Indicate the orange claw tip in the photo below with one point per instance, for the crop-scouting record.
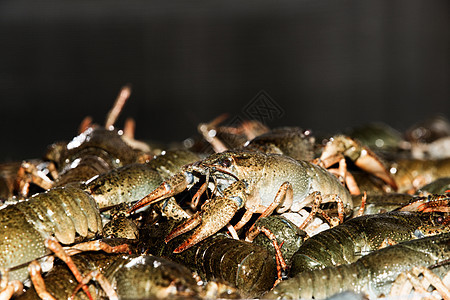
(186, 245)
(173, 234)
(178, 250)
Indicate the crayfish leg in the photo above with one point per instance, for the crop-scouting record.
(432, 203)
(96, 275)
(199, 193)
(343, 146)
(129, 128)
(332, 221)
(53, 245)
(38, 282)
(85, 124)
(104, 283)
(285, 195)
(433, 279)
(208, 133)
(317, 201)
(362, 207)
(440, 206)
(98, 246)
(340, 209)
(350, 181)
(9, 288)
(232, 232)
(400, 286)
(345, 177)
(409, 280)
(244, 220)
(281, 263)
(29, 173)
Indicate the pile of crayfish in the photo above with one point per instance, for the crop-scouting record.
(241, 211)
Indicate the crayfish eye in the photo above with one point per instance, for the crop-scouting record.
(226, 163)
(439, 220)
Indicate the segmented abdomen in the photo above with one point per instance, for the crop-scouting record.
(372, 274)
(61, 212)
(358, 236)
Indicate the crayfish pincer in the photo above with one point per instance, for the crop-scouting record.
(259, 182)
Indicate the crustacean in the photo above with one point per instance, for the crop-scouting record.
(372, 274)
(340, 146)
(126, 276)
(66, 212)
(95, 150)
(356, 237)
(246, 266)
(301, 145)
(262, 183)
(71, 212)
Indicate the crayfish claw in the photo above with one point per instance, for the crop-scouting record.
(198, 236)
(363, 157)
(431, 203)
(187, 225)
(369, 162)
(215, 215)
(174, 185)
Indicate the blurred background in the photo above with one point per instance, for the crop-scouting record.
(323, 65)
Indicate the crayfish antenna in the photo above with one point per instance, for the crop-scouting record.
(85, 124)
(114, 113)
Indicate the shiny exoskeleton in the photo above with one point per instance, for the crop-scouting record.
(68, 213)
(135, 181)
(248, 267)
(286, 233)
(412, 174)
(356, 237)
(93, 152)
(259, 182)
(290, 141)
(130, 277)
(372, 274)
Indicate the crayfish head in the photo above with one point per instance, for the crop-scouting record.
(433, 223)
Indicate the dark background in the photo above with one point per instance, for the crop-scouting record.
(328, 65)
